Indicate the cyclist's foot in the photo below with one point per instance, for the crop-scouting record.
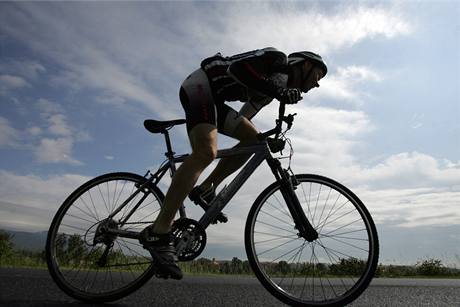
(203, 197)
(161, 247)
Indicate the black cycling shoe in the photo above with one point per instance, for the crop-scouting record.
(203, 197)
(161, 247)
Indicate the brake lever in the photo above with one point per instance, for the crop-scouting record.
(289, 120)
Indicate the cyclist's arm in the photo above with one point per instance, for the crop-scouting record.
(253, 106)
(252, 71)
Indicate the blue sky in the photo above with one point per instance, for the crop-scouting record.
(78, 79)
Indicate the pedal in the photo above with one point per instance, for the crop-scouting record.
(221, 218)
(198, 200)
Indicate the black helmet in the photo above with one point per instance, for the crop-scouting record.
(301, 56)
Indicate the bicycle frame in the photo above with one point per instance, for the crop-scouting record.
(260, 152)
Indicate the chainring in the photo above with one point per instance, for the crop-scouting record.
(189, 239)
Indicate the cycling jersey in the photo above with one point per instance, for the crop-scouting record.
(253, 78)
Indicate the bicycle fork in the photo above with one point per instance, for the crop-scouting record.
(288, 183)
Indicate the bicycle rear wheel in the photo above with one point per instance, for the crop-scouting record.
(330, 271)
(88, 264)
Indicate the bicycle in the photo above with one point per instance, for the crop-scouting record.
(309, 240)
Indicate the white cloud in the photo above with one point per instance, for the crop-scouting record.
(324, 139)
(35, 206)
(57, 145)
(11, 82)
(406, 189)
(413, 170)
(347, 84)
(51, 140)
(293, 28)
(9, 136)
(30, 70)
(59, 126)
(34, 131)
(18, 74)
(47, 107)
(102, 56)
(57, 150)
(358, 73)
(413, 207)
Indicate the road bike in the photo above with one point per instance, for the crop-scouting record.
(309, 240)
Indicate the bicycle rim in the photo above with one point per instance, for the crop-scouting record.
(330, 271)
(76, 258)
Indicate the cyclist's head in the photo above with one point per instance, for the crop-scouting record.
(306, 69)
(300, 57)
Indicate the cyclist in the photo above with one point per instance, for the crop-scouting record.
(255, 78)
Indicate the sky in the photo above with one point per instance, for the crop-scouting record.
(78, 79)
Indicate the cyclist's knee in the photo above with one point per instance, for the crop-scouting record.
(246, 132)
(205, 154)
(204, 143)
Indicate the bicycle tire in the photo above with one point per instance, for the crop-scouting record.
(340, 275)
(71, 252)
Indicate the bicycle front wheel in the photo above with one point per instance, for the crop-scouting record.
(89, 264)
(334, 269)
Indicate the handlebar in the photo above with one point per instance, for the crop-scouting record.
(289, 119)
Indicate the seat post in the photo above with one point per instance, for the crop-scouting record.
(170, 153)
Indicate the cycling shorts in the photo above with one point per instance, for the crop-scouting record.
(200, 106)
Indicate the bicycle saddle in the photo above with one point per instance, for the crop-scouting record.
(156, 126)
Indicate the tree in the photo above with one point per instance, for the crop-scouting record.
(6, 246)
(430, 267)
(76, 248)
(283, 267)
(237, 266)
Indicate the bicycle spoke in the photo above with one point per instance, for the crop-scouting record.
(91, 267)
(287, 230)
(281, 206)
(322, 271)
(103, 200)
(276, 218)
(271, 240)
(357, 220)
(269, 250)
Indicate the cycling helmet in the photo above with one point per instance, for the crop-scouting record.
(301, 56)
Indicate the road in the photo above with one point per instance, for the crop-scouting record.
(33, 287)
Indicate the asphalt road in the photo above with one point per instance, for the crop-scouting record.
(28, 287)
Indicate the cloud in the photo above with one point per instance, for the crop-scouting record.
(57, 146)
(9, 136)
(324, 138)
(40, 197)
(294, 28)
(27, 69)
(57, 150)
(49, 137)
(413, 207)
(11, 82)
(347, 84)
(129, 53)
(47, 107)
(18, 74)
(407, 189)
(412, 170)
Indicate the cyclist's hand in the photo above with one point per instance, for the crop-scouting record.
(290, 95)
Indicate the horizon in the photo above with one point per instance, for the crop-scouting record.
(78, 79)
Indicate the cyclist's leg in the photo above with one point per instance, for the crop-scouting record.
(199, 106)
(246, 133)
(197, 101)
(203, 138)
